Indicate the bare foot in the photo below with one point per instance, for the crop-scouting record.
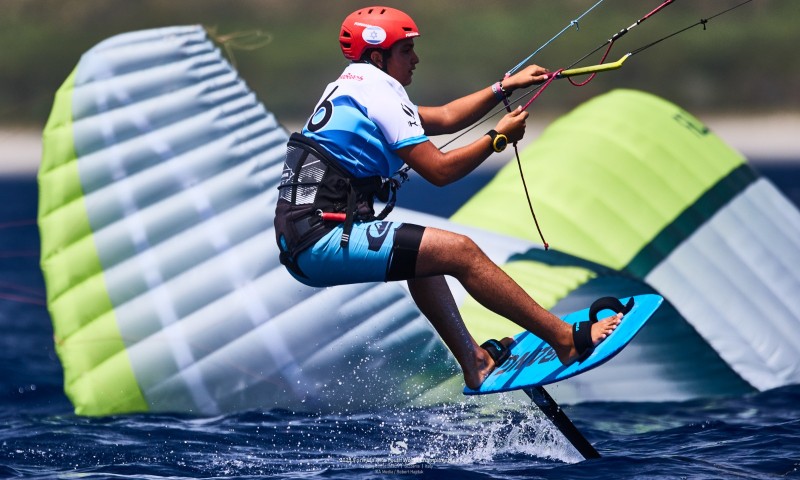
(482, 366)
(600, 331)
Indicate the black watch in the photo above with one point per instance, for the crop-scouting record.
(499, 141)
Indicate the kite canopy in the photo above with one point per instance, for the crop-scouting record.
(157, 190)
(635, 186)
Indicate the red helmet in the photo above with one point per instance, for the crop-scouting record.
(374, 27)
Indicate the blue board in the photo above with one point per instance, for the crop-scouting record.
(534, 363)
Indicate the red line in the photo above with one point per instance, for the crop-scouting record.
(16, 298)
(656, 10)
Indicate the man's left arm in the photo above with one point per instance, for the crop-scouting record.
(465, 111)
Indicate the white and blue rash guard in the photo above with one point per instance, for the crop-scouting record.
(363, 118)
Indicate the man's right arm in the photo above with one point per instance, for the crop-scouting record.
(442, 168)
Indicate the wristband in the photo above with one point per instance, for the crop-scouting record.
(501, 94)
(498, 91)
(505, 94)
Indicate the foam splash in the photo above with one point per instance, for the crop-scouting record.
(505, 432)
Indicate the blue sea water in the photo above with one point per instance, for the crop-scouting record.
(751, 436)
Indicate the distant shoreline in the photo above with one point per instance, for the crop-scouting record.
(765, 138)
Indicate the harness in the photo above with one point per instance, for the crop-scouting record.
(316, 194)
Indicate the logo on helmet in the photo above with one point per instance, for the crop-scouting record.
(374, 35)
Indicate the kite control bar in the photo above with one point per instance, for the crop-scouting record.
(603, 67)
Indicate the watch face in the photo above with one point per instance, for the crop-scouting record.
(500, 143)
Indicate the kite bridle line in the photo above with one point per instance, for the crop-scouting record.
(540, 89)
(602, 66)
(561, 74)
(592, 71)
(575, 23)
(570, 71)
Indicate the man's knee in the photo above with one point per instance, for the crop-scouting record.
(462, 249)
(466, 245)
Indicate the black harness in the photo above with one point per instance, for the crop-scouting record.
(313, 190)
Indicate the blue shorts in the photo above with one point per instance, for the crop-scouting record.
(378, 251)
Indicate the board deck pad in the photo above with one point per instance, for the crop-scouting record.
(534, 363)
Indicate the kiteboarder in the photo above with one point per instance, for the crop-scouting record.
(362, 131)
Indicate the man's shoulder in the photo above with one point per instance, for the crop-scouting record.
(355, 72)
(365, 78)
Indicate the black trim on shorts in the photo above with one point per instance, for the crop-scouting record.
(403, 264)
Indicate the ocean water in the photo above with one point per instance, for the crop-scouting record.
(751, 436)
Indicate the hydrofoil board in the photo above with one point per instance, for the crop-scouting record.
(534, 363)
